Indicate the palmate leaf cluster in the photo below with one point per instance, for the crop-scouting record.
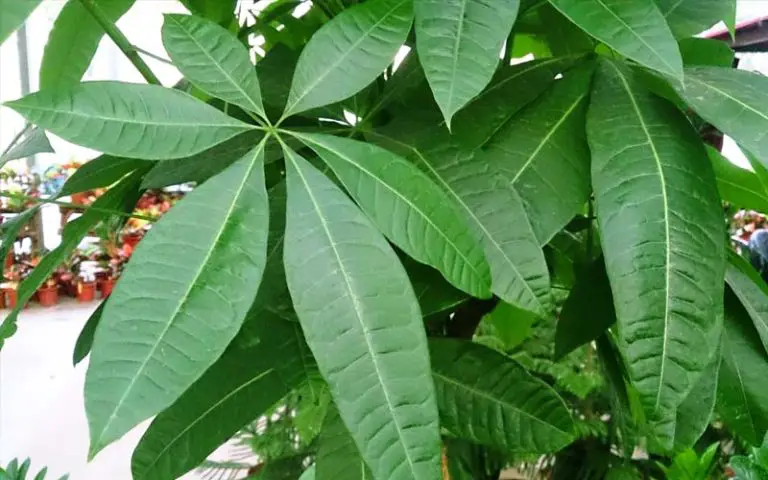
(356, 216)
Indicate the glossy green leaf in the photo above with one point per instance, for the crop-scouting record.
(14, 13)
(662, 232)
(732, 100)
(73, 42)
(636, 30)
(408, 208)
(694, 414)
(490, 399)
(751, 290)
(348, 53)
(362, 322)
(691, 17)
(459, 43)
(129, 120)
(84, 341)
(548, 136)
(181, 275)
(100, 172)
(738, 186)
(587, 313)
(337, 456)
(213, 60)
(706, 51)
(742, 398)
(33, 142)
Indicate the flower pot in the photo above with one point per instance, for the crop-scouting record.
(48, 296)
(131, 239)
(80, 198)
(106, 286)
(9, 260)
(2, 299)
(86, 292)
(11, 297)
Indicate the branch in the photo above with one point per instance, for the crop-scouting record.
(122, 43)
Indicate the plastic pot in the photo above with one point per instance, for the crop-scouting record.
(86, 291)
(48, 296)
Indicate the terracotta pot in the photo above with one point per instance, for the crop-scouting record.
(2, 299)
(79, 198)
(106, 287)
(9, 260)
(131, 239)
(11, 297)
(48, 296)
(86, 291)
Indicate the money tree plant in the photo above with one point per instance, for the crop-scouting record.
(373, 178)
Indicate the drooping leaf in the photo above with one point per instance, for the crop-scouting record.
(85, 339)
(636, 30)
(348, 53)
(733, 101)
(661, 231)
(548, 136)
(587, 313)
(690, 17)
(102, 171)
(738, 186)
(751, 290)
(742, 399)
(181, 275)
(459, 43)
(362, 322)
(705, 51)
(73, 41)
(34, 142)
(408, 208)
(337, 456)
(694, 414)
(490, 399)
(213, 60)
(14, 13)
(129, 120)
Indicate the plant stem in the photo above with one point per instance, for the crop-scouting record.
(152, 55)
(122, 43)
(75, 206)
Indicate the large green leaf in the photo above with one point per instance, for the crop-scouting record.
(348, 53)
(706, 51)
(129, 120)
(337, 456)
(732, 100)
(362, 322)
(751, 290)
(490, 399)
(742, 398)
(459, 43)
(185, 273)
(690, 17)
(738, 186)
(213, 60)
(102, 171)
(13, 13)
(694, 414)
(636, 30)
(408, 208)
(662, 232)
(73, 42)
(548, 136)
(33, 142)
(84, 341)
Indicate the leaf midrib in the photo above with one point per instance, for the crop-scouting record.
(455, 58)
(729, 96)
(742, 390)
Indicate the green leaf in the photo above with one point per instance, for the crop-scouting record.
(309, 474)
(742, 399)
(510, 324)
(338, 457)
(434, 293)
(706, 51)
(213, 60)
(34, 142)
(182, 274)
(348, 53)
(408, 208)
(73, 42)
(129, 120)
(122, 198)
(220, 11)
(242, 385)
(548, 136)
(661, 229)
(490, 399)
(10, 230)
(636, 30)
(459, 43)
(587, 313)
(690, 17)
(733, 101)
(362, 322)
(85, 339)
(738, 186)
(751, 290)
(14, 13)
(102, 171)
(694, 414)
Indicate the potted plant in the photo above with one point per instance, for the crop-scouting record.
(86, 287)
(48, 293)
